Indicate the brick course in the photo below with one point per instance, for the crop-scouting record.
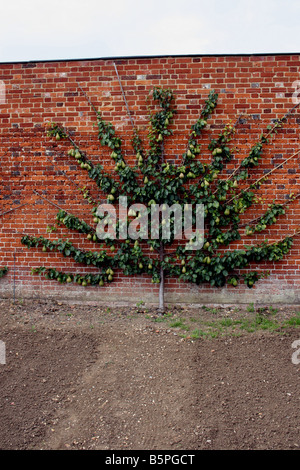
(260, 87)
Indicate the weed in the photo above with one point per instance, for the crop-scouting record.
(179, 324)
(273, 310)
(209, 309)
(293, 321)
(196, 334)
(159, 319)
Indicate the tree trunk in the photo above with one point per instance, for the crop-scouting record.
(161, 307)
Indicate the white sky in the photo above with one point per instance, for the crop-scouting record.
(72, 29)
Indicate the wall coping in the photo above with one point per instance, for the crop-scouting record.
(151, 56)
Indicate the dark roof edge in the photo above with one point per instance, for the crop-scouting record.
(150, 57)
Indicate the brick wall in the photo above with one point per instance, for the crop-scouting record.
(35, 167)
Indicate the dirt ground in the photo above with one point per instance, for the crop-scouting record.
(92, 377)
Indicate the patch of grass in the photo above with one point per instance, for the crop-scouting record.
(259, 322)
(265, 323)
(273, 310)
(226, 322)
(160, 319)
(250, 308)
(253, 320)
(293, 321)
(180, 323)
(196, 334)
(163, 318)
(210, 309)
(230, 326)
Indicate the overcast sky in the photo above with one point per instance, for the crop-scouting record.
(64, 29)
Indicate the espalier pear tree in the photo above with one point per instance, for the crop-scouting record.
(155, 182)
(3, 271)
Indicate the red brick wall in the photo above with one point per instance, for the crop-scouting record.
(259, 86)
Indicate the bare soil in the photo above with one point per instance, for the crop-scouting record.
(89, 377)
